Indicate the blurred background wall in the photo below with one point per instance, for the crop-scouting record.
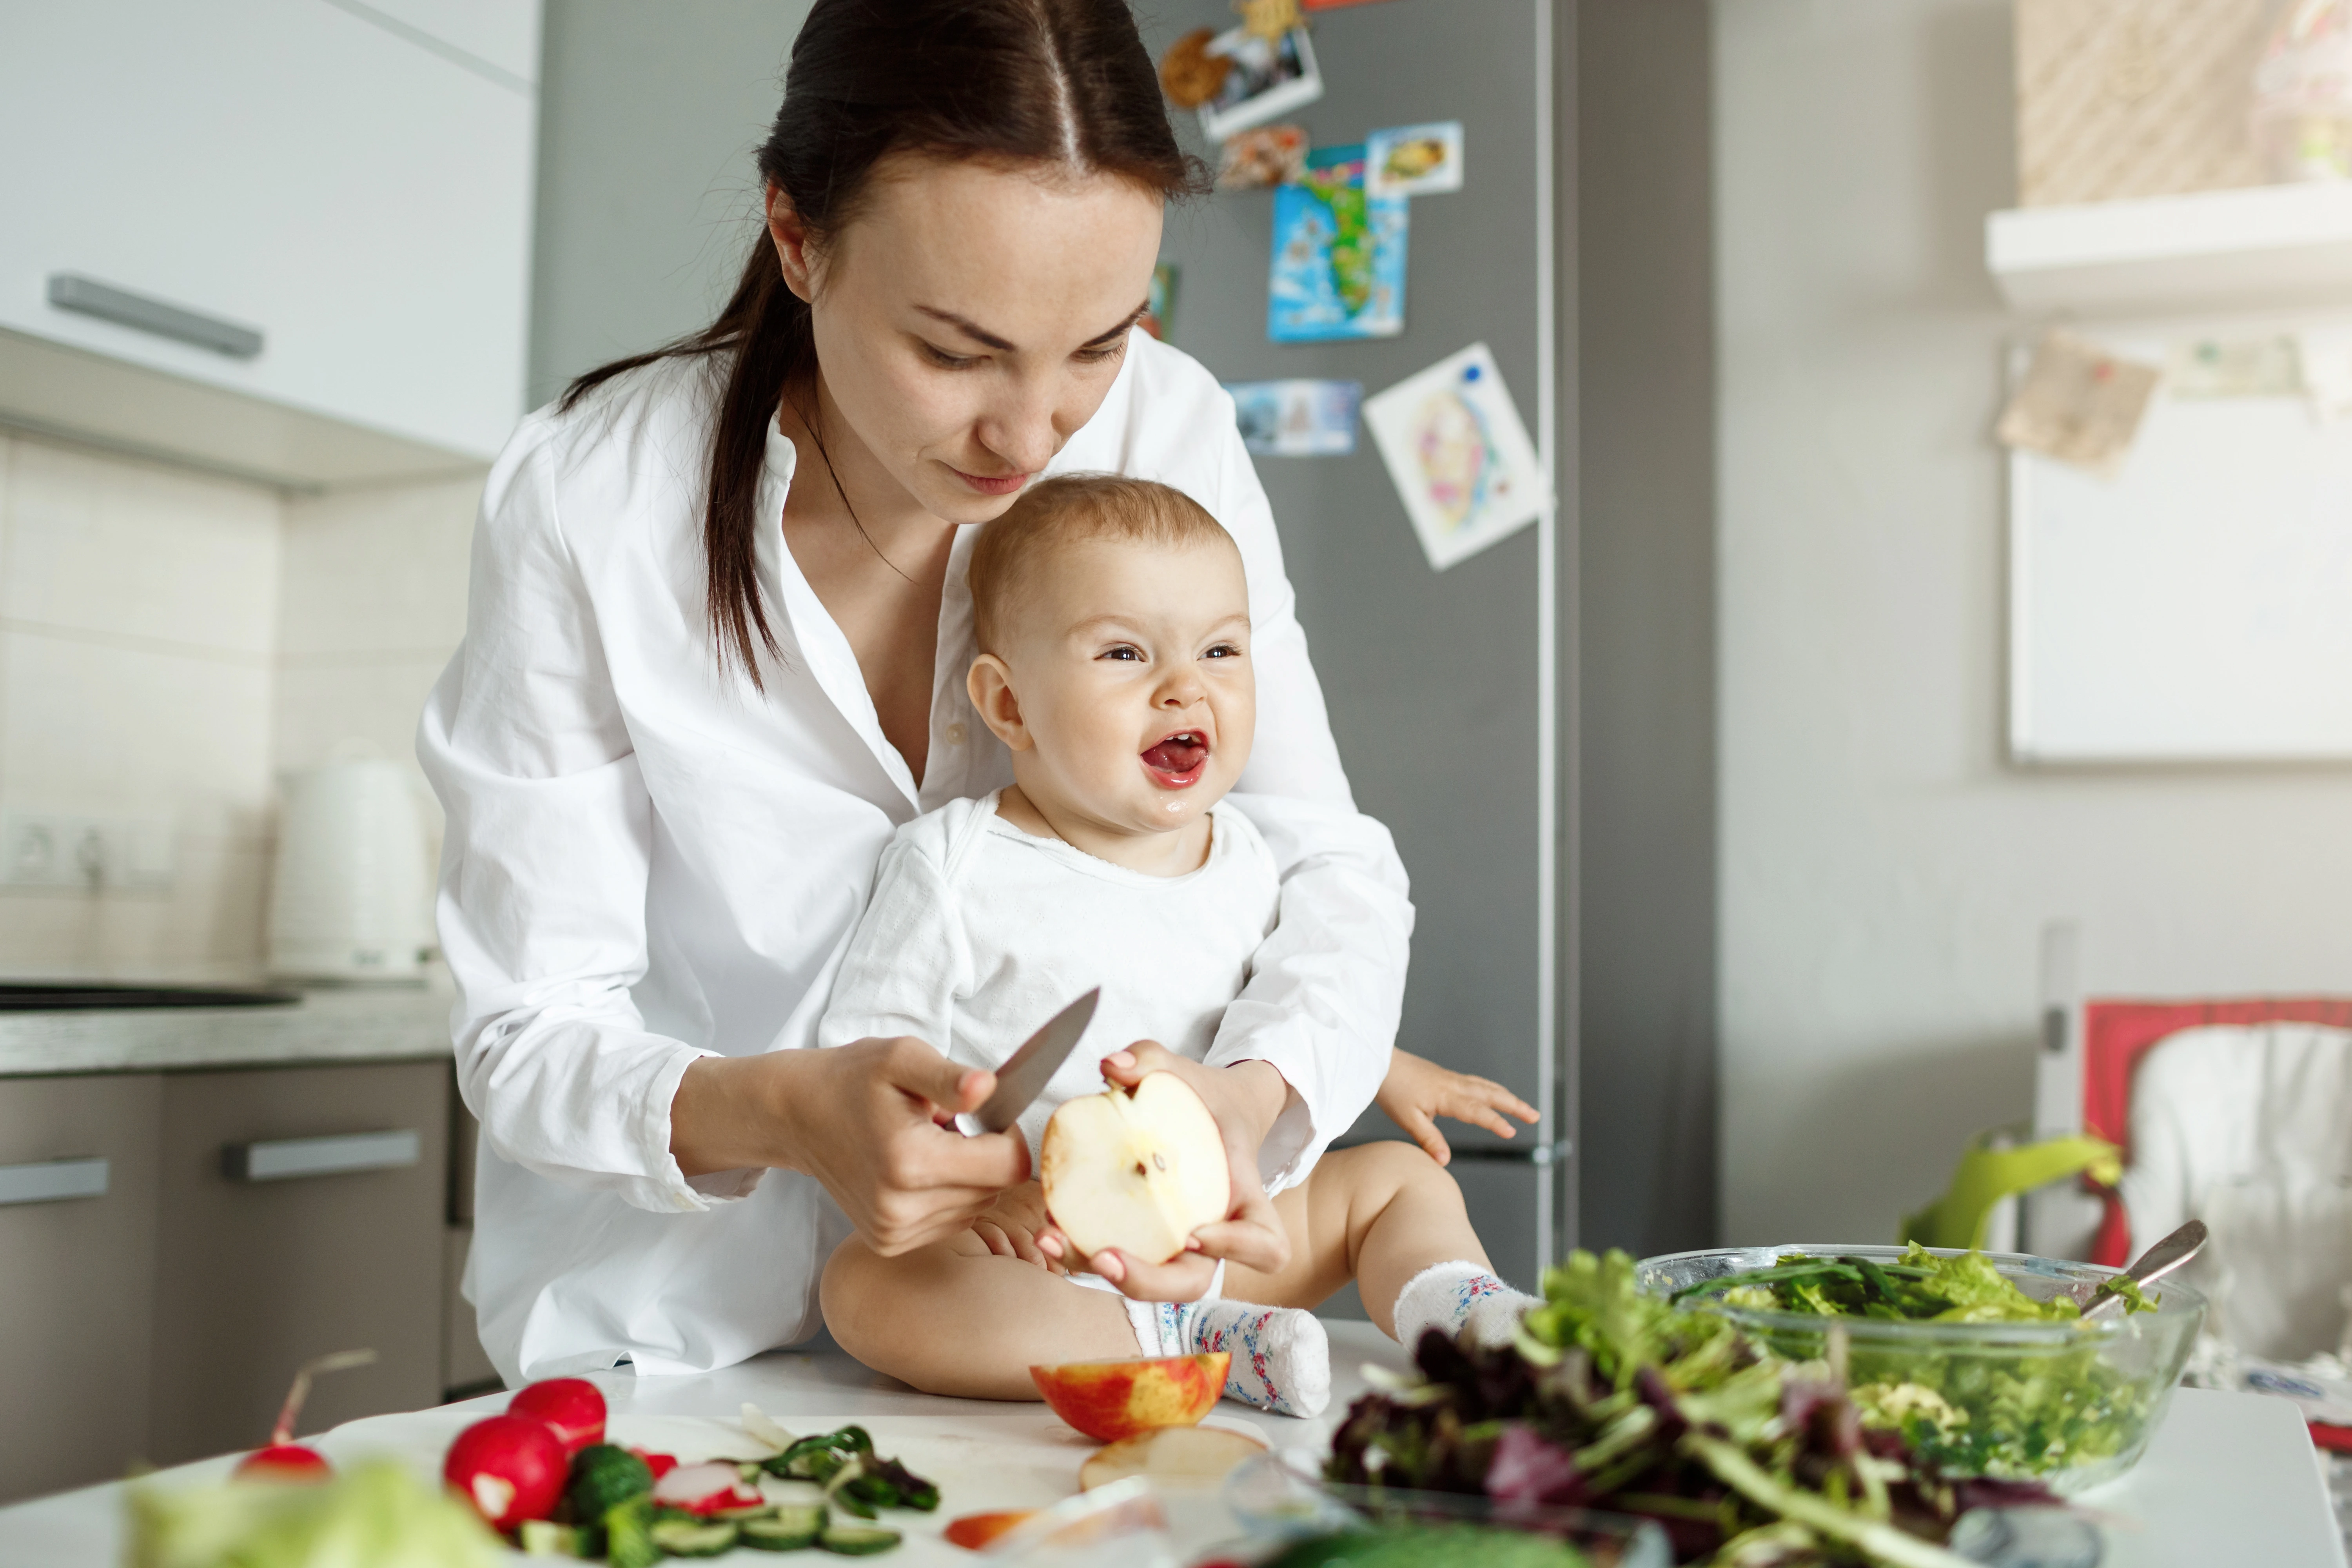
(1886, 872)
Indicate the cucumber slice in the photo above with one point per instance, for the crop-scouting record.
(793, 1526)
(544, 1537)
(680, 1539)
(857, 1540)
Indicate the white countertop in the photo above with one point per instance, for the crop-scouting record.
(356, 1025)
(2229, 1478)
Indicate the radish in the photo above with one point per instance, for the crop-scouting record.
(705, 1488)
(659, 1464)
(570, 1407)
(284, 1462)
(285, 1459)
(510, 1467)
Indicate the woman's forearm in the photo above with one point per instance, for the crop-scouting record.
(863, 1119)
(733, 1113)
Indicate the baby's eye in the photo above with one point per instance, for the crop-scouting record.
(1224, 650)
(1123, 651)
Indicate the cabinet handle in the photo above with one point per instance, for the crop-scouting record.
(286, 1158)
(52, 1180)
(72, 291)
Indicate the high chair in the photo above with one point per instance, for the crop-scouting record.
(2237, 1112)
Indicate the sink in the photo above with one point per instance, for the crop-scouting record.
(73, 995)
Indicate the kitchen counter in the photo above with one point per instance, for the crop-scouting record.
(2230, 1478)
(327, 1025)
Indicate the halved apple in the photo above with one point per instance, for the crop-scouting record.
(1108, 1400)
(1137, 1172)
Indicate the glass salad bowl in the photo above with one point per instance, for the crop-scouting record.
(2065, 1403)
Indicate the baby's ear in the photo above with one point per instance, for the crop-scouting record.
(990, 686)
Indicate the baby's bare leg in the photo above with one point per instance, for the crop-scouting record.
(1378, 1214)
(954, 1318)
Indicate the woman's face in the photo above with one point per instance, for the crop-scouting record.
(970, 318)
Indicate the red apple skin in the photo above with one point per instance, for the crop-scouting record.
(1108, 1400)
(284, 1462)
(510, 1467)
(570, 1407)
(974, 1530)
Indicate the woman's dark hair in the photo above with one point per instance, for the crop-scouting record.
(1062, 82)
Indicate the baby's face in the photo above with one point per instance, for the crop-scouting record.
(1130, 667)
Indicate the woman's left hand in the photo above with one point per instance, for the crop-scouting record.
(1244, 1098)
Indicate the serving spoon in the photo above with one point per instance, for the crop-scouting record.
(2154, 1263)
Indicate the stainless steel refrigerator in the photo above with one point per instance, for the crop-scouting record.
(1441, 685)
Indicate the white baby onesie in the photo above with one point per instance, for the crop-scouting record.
(979, 933)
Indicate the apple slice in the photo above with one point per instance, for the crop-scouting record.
(1137, 1172)
(1179, 1456)
(1108, 1400)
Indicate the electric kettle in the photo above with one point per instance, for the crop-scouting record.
(350, 895)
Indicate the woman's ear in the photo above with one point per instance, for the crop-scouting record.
(990, 686)
(791, 237)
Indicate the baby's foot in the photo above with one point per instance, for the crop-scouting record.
(1282, 1359)
(1460, 1299)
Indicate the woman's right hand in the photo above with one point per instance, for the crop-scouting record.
(870, 1120)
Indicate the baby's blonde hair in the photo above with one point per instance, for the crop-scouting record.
(1065, 509)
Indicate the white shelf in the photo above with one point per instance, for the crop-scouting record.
(2256, 248)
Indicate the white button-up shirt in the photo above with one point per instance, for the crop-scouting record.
(649, 861)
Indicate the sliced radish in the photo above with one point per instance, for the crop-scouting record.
(659, 1464)
(284, 1462)
(570, 1407)
(510, 1467)
(705, 1488)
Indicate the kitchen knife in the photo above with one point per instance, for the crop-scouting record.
(1024, 1077)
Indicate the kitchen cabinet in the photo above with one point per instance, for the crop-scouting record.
(301, 1210)
(350, 184)
(78, 1186)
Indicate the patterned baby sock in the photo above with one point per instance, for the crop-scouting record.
(1460, 1299)
(1282, 1358)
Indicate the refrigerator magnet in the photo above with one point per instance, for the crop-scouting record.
(1459, 456)
(1414, 159)
(1338, 270)
(1297, 418)
(1266, 78)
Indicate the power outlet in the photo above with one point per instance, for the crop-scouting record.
(63, 849)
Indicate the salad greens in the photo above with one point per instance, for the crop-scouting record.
(2015, 1409)
(1923, 1288)
(1615, 1400)
(1431, 1546)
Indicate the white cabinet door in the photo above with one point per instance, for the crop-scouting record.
(289, 166)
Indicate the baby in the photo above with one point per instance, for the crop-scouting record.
(1113, 620)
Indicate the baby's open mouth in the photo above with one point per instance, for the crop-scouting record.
(1178, 758)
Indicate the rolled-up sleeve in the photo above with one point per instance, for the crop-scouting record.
(1326, 987)
(542, 908)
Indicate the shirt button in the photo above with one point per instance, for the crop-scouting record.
(955, 734)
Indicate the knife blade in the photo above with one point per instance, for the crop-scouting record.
(1024, 1075)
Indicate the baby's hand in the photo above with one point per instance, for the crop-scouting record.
(1416, 1090)
(1012, 1224)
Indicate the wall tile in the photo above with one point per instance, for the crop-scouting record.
(102, 545)
(169, 644)
(374, 702)
(89, 726)
(206, 927)
(377, 571)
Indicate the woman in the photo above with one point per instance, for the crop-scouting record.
(714, 655)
